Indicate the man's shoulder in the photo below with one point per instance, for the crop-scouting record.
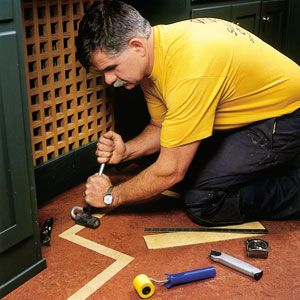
(198, 23)
(194, 33)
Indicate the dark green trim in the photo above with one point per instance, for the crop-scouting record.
(73, 168)
(60, 174)
(22, 277)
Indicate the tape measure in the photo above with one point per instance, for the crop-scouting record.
(207, 229)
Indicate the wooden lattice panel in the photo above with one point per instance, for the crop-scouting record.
(67, 106)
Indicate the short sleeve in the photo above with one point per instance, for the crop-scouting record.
(191, 109)
(156, 106)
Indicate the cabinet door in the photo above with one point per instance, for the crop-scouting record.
(247, 15)
(20, 254)
(217, 11)
(16, 221)
(273, 22)
(293, 31)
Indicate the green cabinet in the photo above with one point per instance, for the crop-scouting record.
(273, 22)
(20, 254)
(265, 18)
(293, 31)
(218, 10)
(161, 11)
(247, 15)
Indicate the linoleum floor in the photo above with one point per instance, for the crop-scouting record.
(101, 264)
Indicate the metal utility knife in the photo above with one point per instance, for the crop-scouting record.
(236, 264)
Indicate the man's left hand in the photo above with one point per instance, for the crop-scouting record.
(96, 188)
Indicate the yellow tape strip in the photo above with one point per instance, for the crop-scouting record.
(122, 260)
(171, 194)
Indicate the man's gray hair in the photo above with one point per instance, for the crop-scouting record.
(109, 25)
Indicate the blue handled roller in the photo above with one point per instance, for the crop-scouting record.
(145, 288)
(189, 276)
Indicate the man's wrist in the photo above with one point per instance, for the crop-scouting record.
(126, 154)
(108, 197)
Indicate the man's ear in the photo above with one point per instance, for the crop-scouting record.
(137, 45)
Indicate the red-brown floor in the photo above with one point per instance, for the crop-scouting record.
(102, 263)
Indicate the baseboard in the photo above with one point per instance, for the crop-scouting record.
(18, 280)
(60, 174)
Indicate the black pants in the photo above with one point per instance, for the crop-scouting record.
(246, 174)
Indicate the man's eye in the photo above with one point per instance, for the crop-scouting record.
(110, 68)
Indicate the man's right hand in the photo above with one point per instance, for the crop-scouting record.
(110, 148)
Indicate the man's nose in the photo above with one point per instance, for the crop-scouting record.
(109, 78)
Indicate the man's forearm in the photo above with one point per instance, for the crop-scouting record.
(145, 185)
(169, 168)
(146, 143)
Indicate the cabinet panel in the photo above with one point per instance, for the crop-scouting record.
(218, 11)
(266, 18)
(161, 11)
(247, 15)
(15, 189)
(6, 12)
(273, 22)
(293, 31)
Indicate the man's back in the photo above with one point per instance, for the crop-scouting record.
(212, 74)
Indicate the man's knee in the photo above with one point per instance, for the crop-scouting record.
(213, 208)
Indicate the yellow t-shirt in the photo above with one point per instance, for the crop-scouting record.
(210, 74)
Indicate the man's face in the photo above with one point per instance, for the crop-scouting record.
(126, 69)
